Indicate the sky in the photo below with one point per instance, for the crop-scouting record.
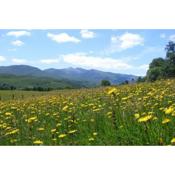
(118, 51)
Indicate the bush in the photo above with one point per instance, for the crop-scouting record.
(105, 83)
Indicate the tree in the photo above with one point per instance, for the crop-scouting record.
(170, 67)
(105, 83)
(156, 69)
(163, 68)
(154, 74)
(141, 79)
(170, 48)
(157, 62)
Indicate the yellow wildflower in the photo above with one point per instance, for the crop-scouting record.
(96, 110)
(53, 130)
(109, 113)
(91, 139)
(40, 129)
(12, 132)
(136, 116)
(8, 113)
(173, 140)
(31, 119)
(62, 135)
(155, 118)
(145, 118)
(58, 124)
(65, 108)
(169, 110)
(38, 142)
(95, 133)
(166, 120)
(112, 91)
(73, 131)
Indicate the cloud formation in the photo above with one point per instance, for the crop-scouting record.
(125, 41)
(19, 61)
(49, 61)
(18, 33)
(87, 34)
(17, 43)
(2, 58)
(62, 38)
(94, 62)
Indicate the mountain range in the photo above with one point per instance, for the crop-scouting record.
(73, 77)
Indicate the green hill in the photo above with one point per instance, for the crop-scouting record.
(34, 83)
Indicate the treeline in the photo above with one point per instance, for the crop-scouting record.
(161, 68)
(5, 86)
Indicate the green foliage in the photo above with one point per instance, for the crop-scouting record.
(170, 47)
(105, 83)
(161, 68)
(141, 79)
(11, 82)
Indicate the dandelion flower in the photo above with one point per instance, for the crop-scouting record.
(38, 142)
(166, 120)
(109, 113)
(95, 133)
(145, 119)
(53, 130)
(136, 116)
(58, 124)
(8, 113)
(62, 135)
(173, 140)
(40, 129)
(73, 131)
(169, 110)
(91, 139)
(12, 132)
(65, 108)
(112, 91)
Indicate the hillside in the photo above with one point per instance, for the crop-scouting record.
(77, 76)
(30, 82)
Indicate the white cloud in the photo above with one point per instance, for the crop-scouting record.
(125, 41)
(87, 34)
(49, 61)
(18, 33)
(62, 38)
(17, 43)
(19, 61)
(162, 35)
(172, 38)
(2, 58)
(94, 62)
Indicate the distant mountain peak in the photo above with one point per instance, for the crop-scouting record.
(92, 77)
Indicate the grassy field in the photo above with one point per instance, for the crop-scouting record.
(136, 114)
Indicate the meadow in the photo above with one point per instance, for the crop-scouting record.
(134, 114)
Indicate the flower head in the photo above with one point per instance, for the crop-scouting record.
(38, 142)
(166, 120)
(62, 135)
(145, 118)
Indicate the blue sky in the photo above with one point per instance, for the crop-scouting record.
(120, 51)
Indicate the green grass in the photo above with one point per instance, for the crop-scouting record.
(99, 116)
